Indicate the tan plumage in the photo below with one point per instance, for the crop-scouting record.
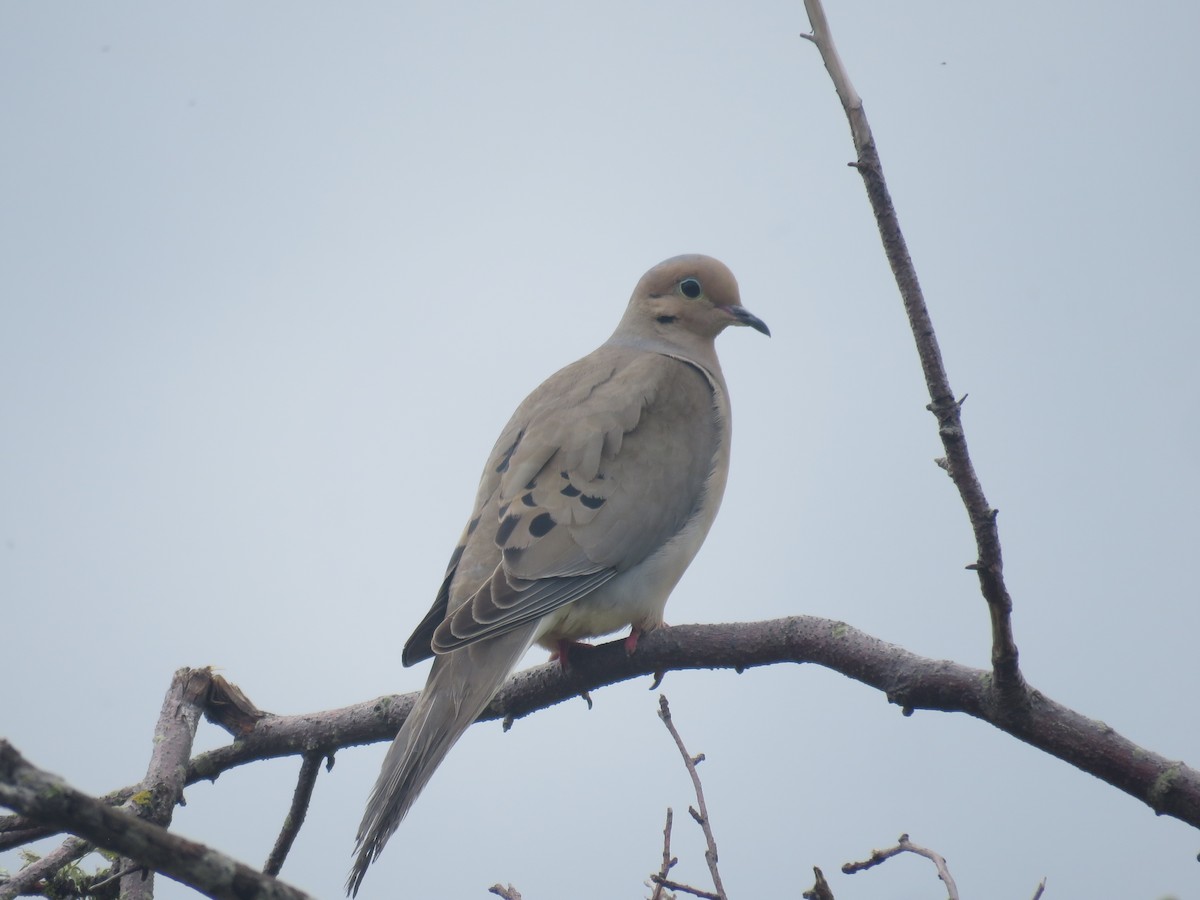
(593, 502)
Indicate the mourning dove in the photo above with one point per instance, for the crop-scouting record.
(594, 500)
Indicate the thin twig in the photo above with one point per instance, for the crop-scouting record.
(1010, 684)
(309, 770)
(907, 846)
(1041, 889)
(686, 888)
(115, 873)
(667, 860)
(46, 797)
(710, 855)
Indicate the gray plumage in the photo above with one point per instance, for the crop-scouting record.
(593, 502)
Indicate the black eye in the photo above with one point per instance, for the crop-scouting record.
(690, 287)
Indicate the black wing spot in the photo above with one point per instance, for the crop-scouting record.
(528, 500)
(503, 466)
(593, 502)
(542, 525)
(512, 554)
(570, 491)
(472, 525)
(504, 532)
(532, 484)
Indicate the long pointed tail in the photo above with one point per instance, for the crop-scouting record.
(460, 685)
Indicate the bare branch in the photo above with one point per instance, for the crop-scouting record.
(907, 846)
(910, 681)
(155, 797)
(309, 769)
(989, 565)
(162, 788)
(710, 855)
(42, 796)
(1041, 889)
(851, 102)
(667, 860)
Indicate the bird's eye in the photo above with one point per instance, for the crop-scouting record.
(690, 287)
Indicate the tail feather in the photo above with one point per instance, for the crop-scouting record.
(460, 686)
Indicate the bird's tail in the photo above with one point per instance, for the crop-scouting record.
(460, 685)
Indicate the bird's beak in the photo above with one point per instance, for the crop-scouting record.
(743, 316)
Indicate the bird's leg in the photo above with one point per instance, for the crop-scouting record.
(563, 648)
(562, 652)
(635, 634)
(631, 642)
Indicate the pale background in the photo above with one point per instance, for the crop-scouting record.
(274, 275)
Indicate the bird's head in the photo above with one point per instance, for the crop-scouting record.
(689, 295)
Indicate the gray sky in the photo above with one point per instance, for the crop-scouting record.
(273, 276)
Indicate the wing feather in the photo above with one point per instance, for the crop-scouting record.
(599, 467)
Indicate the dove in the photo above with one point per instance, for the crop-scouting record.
(595, 499)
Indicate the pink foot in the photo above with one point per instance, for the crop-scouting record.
(631, 642)
(635, 633)
(562, 652)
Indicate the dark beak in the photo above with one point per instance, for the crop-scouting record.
(743, 316)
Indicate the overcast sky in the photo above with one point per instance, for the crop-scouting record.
(273, 276)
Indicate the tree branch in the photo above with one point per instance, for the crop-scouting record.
(162, 788)
(26, 880)
(155, 797)
(907, 846)
(907, 679)
(701, 817)
(297, 812)
(989, 565)
(668, 861)
(45, 797)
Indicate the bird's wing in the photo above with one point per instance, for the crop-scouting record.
(599, 468)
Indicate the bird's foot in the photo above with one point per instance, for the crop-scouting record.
(562, 652)
(635, 634)
(631, 642)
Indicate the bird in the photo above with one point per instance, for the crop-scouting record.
(594, 500)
